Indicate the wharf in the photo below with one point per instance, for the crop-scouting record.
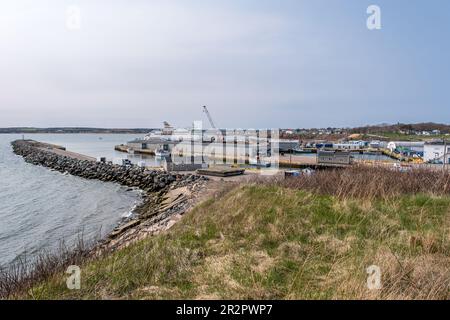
(124, 148)
(221, 172)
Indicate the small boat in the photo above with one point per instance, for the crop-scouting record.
(160, 153)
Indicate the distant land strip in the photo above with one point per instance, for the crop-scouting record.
(400, 128)
(74, 130)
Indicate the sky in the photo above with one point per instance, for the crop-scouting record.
(254, 63)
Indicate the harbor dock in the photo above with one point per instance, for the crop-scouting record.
(221, 172)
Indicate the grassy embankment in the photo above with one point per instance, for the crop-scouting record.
(310, 238)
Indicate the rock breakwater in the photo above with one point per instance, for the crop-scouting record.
(166, 196)
(148, 180)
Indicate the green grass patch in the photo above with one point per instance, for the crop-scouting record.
(258, 242)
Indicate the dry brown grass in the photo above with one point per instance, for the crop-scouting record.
(365, 182)
(306, 238)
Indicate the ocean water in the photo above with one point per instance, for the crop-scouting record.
(97, 145)
(39, 207)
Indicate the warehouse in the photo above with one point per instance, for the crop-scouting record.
(435, 151)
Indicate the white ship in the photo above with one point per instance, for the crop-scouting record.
(168, 133)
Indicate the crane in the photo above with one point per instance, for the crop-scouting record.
(205, 110)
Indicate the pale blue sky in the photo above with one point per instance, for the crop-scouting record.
(254, 63)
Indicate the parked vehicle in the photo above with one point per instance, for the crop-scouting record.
(161, 153)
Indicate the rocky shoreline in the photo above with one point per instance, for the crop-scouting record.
(166, 196)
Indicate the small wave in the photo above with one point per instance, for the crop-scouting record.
(39, 206)
(130, 213)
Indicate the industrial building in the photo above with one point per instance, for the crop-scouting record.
(437, 152)
(407, 148)
(150, 145)
(351, 145)
(417, 146)
(377, 144)
(334, 158)
(285, 145)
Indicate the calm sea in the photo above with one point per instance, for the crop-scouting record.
(39, 208)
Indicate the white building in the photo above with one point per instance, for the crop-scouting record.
(350, 145)
(435, 151)
(346, 146)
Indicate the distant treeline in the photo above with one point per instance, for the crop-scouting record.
(383, 128)
(73, 130)
(418, 127)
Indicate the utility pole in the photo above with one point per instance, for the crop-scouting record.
(445, 154)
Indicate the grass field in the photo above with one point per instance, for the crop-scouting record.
(261, 241)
